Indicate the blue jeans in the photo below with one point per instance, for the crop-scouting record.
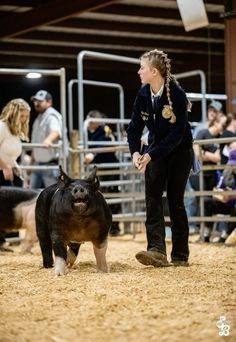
(191, 204)
(41, 179)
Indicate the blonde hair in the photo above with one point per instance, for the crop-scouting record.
(159, 60)
(95, 114)
(10, 114)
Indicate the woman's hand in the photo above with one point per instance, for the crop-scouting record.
(140, 162)
(143, 161)
(17, 171)
(136, 157)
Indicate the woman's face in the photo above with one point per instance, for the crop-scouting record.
(146, 72)
(23, 116)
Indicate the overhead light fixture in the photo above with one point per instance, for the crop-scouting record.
(33, 75)
(193, 14)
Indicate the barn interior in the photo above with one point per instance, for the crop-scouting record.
(49, 34)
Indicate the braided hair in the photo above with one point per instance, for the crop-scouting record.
(159, 60)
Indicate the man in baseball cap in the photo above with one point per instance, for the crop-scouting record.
(41, 95)
(213, 110)
(215, 105)
(46, 130)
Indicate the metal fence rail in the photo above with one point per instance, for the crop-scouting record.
(131, 183)
(61, 73)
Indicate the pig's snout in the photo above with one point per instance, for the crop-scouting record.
(80, 198)
(79, 192)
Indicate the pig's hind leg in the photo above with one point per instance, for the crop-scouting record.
(72, 253)
(45, 241)
(46, 247)
(43, 234)
(100, 255)
(28, 214)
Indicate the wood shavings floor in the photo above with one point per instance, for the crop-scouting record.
(131, 303)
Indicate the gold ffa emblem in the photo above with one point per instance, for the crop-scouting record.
(167, 113)
(144, 116)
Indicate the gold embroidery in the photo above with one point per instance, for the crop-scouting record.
(167, 113)
(144, 116)
(173, 118)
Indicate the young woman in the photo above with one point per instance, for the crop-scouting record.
(14, 126)
(162, 106)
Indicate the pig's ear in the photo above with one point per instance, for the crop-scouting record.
(94, 178)
(63, 176)
(96, 183)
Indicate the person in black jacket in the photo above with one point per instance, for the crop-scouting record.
(99, 132)
(229, 132)
(162, 106)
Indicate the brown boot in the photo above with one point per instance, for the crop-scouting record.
(152, 258)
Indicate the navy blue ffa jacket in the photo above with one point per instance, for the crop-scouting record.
(103, 133)
(164, 137)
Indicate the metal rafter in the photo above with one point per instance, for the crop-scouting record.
(46, 13)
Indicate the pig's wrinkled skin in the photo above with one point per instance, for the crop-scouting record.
(69, 213)
(18, 212)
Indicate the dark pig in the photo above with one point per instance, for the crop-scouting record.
(17, 210)
(69, 213)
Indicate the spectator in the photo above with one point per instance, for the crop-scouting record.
(214, 109)
(209, 153)
(99, 132)
(46, 130)
(223, 204)
(14, 123)
(229, 132)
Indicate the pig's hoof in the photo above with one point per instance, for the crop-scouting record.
(71, 257)
(26, 251)
(60, 266)
(103, 270)
(5, 249)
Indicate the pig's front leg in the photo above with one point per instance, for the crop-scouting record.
(60, 252)
(60, 266)
(100, 255)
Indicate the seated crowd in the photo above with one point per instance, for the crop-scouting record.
(218, 125)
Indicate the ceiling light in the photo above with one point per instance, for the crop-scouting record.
(34, 75)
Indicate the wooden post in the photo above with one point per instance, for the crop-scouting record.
(230, 56)
(74, 160)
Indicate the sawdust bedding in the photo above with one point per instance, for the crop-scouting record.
(131, 303)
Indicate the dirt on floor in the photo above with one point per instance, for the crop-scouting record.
(131, 303)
